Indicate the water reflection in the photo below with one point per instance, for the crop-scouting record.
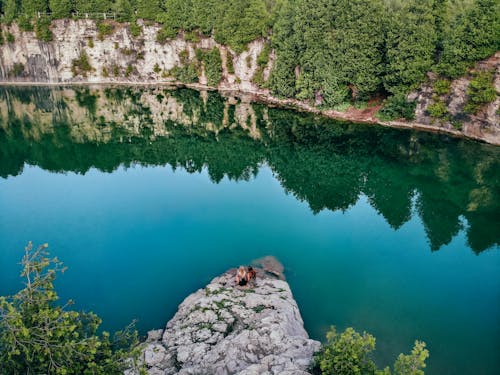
(455, 183)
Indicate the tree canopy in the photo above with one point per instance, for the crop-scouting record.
(327, 51)
(38, 335)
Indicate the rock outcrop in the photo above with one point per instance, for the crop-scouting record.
(228, 329)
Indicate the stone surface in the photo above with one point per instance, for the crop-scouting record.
(227, 329)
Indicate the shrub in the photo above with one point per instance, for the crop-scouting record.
(349, 353)
(91, 43)
(104, 29)
(481, 91)
(10, 38)
(184, 56)
(17, 70)
(24, 23)
(441, 87)
(213, 66)
(135, 29)
(116, 70)
(437, 109)
(192, 37)
(41, 336)
(395, 107)
(187, 73)
(230, 64)
(262, 61)
(129, 70)
(81, 65)
(156, 68)
(1, 38)
(42, 29)
(164, 34)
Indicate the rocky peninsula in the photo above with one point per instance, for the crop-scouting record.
(228, 329)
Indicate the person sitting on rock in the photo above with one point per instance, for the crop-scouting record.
(241, 276)
(251, 274)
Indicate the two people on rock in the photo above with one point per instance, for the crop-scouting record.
(243, 276)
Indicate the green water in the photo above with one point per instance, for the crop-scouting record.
(147, 194)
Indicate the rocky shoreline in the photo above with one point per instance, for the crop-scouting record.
(142, 60)
(227, 329)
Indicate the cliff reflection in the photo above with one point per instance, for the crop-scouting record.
(448, 183)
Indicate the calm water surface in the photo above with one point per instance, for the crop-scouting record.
(146, 195)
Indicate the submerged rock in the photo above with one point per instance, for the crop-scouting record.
(228, 329)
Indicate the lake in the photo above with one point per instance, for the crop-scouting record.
(146, 194)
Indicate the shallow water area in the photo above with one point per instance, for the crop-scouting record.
(147, 194)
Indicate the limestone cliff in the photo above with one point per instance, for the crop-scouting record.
(228, 329)
(80, 54)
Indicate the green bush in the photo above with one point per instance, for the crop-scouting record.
(437, 109)
(262, 61)
(230, 64)
(347, 353)
(10, 38)
(2, 41)
(350, 353)
(213, 66)
(480, 92)
(104, 29)
(396, 107)
(81, 65)
(164, 34)
(135, 29)
(42, 29)
(39, 335)
(186, 73)
(17, 70)
(441, 87)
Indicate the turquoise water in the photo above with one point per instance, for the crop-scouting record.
(392, 232)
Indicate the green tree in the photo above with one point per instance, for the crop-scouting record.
(10, 10)
(149, 9)
(414, 363)
(474, 34)
(60, 8)
(282, 78)
(40, 336)
(349, 353)
(410, 45)
(357, 41)
(481, 91)
(30, 7)
(242, 22)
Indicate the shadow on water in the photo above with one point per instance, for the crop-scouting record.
(328, 164)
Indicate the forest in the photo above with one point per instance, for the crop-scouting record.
(327, 51)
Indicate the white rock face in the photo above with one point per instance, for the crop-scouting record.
(226, 329)
(118, 57)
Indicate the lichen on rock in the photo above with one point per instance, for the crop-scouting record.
(228, 329)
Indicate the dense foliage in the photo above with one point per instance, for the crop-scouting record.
(40, 336)
(348, 353)
(327, 51)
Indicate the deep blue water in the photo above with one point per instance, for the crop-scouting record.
(141, 236)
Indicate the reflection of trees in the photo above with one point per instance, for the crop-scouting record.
(325, 163)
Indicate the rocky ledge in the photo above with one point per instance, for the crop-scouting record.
(228, 329)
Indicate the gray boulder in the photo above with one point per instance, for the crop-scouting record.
(227, 329)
